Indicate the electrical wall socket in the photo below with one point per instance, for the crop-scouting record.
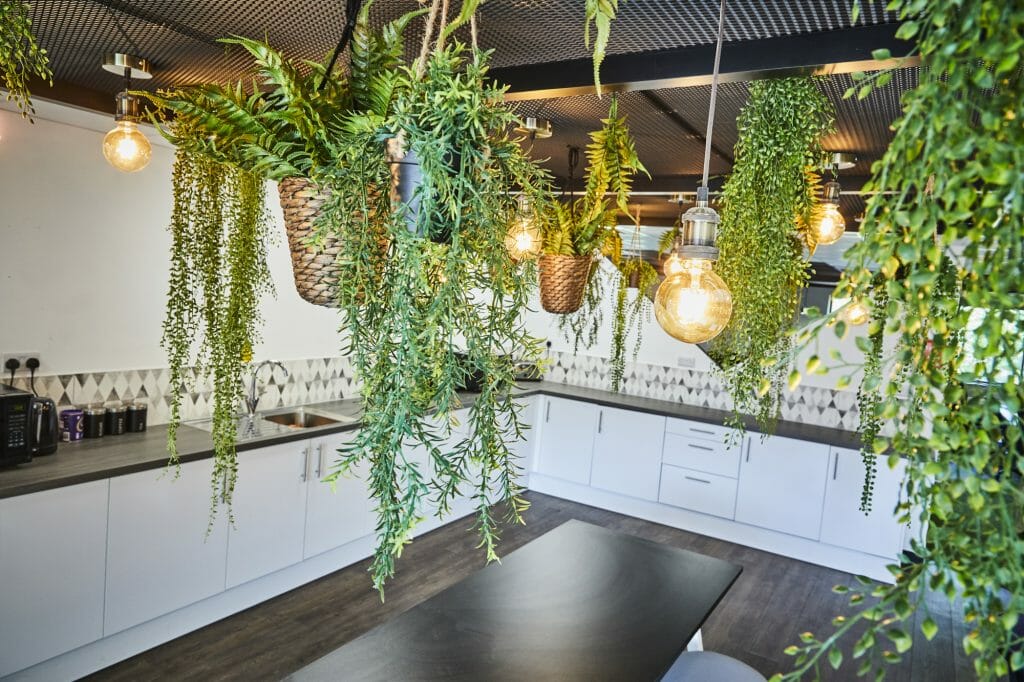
(686, 361)
(22, 357)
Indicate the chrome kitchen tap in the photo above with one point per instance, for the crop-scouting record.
(252, 395)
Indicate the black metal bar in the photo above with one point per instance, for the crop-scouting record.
(674, 116)
(823, 52)
(133, 10)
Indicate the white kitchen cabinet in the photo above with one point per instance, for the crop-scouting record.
(698, 491)
(269, 509)
(52, 556)
(627, 452)
(782, 485)
(338, 514)
(159, 555)
(844, 524)
(567, 433)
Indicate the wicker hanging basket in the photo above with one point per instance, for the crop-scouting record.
(315, 269)
(563, 281)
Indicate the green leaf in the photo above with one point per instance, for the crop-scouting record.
(907, 30)
(835, 658)
(794, 380)
(929, 629)
(881, 54)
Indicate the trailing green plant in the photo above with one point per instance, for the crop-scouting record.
(449, 286)
(950, 178)
(20, 55)
(630, 312)
(768, 201)
(600, 13)
(218, 274)
(869, 393)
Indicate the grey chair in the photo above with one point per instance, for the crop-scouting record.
(707, 666)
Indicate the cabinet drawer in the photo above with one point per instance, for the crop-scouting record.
(684, 427)
(709, 456)
(699, 491)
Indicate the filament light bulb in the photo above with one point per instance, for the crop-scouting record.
(126, 148)
(523, 241)
(694, 304)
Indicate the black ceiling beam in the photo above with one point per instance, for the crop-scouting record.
(64, 92)
(133, 10)
(824, 52)
(667, 184)
(684, 125)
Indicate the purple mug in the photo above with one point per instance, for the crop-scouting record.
(73, 424)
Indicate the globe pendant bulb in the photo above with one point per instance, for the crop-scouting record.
(126, 148)
(523, 241)
(831, 225)
(694, 305)
(673, 265)
(855, 314)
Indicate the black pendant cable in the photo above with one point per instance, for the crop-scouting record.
(352, 8)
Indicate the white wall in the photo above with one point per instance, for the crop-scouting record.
(84, 252)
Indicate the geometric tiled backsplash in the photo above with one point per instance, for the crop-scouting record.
(807, 404)
(308, 381)
(322, 379)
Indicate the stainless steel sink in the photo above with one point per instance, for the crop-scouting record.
(303, 419)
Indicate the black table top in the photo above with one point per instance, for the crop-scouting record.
(578, 603)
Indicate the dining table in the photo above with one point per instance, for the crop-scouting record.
(580, 602)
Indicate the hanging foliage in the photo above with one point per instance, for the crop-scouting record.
(20, 55)
(949, 186)
(768, 201)
(218, 276)
(449, 288)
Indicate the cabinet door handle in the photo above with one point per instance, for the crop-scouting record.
(700, 447)
(600, 420)
(710, 433)
(698, 480)
(320, 461)
(547, 412)
(835, 468)
(748, 449)
(305, 464)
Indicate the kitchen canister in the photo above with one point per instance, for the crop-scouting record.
(95, 416)
(137, 416)
(116, 419)
(72, 423)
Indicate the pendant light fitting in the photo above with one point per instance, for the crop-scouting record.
(536, 128)
(125, 147)
(693, 304)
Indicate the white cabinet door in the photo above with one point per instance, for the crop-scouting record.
(52, 556)
(159, 556)
(782, 485)
(627, 452)
(342, 513)
(567, 439)
(270, 510)
(844, 524)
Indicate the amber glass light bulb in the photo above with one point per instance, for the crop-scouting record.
(694, 305)
(855, 314)
(673, 265)
(831, 224)
(523, 240)
(126, 148)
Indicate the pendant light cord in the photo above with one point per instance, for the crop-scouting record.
(352, 8)
(714, 96)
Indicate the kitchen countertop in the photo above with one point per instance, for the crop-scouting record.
(90, 460)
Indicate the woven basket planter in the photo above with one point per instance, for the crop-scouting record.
(315, 270)
(563, 281)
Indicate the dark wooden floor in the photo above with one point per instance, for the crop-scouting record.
(773, 601)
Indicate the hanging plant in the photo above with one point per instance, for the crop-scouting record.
(218, 275)
(768, 201)
(631, 309)
(20, 55)
(437, 299)
(951, 175)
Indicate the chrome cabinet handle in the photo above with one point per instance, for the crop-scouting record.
(547, 412)
(305, 464)
(700, 447)
(320, 461)
(748, 449)
(600, 420)
(835, 468)
(698, 480)
(710, 433)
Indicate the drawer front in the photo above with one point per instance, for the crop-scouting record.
(698, 491)
(684, 427)
(709, 456)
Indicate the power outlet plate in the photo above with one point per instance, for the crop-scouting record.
(22, 357)
(686, 361)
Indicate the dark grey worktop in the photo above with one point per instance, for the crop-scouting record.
(91, 460)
